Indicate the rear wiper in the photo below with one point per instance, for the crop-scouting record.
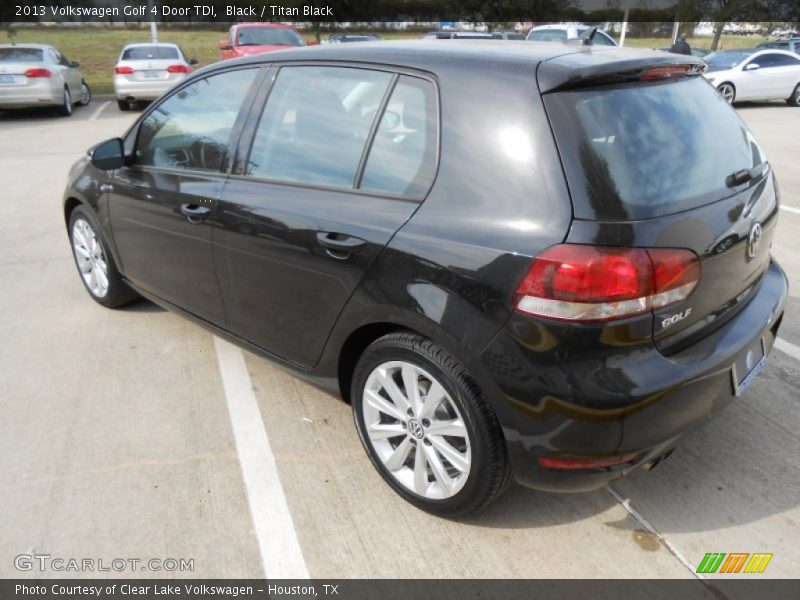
(745, 175)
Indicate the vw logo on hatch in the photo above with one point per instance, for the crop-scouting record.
(754, 241)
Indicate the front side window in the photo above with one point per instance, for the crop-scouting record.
(402, 159)
(190, 129)
(316, 124)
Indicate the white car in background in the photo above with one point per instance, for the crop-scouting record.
(146, 71)
(560, 32)
(34, 75)
(752, 74)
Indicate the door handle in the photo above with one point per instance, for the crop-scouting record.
(195, 212)
(339, 245)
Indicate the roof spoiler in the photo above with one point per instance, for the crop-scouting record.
(582, 69)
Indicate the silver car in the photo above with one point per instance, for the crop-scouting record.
(34, 75)
(145, 71)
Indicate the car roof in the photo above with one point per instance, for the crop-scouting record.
(142, 44)
(263, 26)
(566, 62)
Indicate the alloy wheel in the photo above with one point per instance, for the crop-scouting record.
(86, 94)
(91, 258)
(727, 92)
(416, 430)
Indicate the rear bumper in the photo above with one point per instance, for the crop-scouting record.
(557, 408)
(141, 90)
(38, 93)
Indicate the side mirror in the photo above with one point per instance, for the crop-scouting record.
(224, 45)
(752, 67)
(74, 64)
(193, 61)
(108, 155)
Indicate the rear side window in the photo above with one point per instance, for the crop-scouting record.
(642, 150)
(150, 53)
(190, 129)
(402, 159)
(316, 124)
(20, 55)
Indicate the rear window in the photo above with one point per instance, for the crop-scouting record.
(149, 52)
(642, 150)
(20, 55)
(548, 35)
(268, 36)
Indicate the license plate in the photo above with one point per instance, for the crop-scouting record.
(748, 365)
(7, 79)
(151, 74)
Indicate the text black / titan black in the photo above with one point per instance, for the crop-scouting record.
(532, 261)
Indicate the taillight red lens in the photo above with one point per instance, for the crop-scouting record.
(667, 72)
(568, 464)
(37, 73)
(594, 283)
(123, 70)
(178, 69)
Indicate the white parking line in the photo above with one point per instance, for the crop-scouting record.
(281, 556)
(625, 503)
(788, 348)
(99, 110)
(790, 209)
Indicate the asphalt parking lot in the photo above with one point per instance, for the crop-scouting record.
(135, 434)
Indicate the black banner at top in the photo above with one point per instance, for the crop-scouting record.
(375, 11)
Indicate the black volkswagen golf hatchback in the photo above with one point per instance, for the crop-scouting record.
(538, 262)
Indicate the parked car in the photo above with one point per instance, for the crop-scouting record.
(698, 52)
(791, 44)
(547, 294)
(145, 71)
(34, 75)
(457, 35)
(561, 31)
(344, 38)
(245, 39)
(755, 75)
(508, 35)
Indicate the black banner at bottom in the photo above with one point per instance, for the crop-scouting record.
(395, 589)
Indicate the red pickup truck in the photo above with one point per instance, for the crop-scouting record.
(245, 39)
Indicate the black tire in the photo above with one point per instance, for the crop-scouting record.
(794, 99)
(123, 105)
(490, 472)
(65, 110)
(86, 94)
(118, 293)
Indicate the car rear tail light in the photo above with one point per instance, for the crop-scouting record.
(177, 69)
(39, 72)
(571, 464)
(667, 72)
(123, 70)
(573, 282)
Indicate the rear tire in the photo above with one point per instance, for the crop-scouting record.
(727, 91)
(794, 99)
(124, 105)
(86, 94)
(95, 262)
(444, 453)
(65, 110)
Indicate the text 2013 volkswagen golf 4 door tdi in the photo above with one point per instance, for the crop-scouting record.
(539, 262)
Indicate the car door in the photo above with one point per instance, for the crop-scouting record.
(72, 78)
(787, 74)
(338, 160)
(162, 204)
(763, 83)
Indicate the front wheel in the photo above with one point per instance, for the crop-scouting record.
(727, 91)
(427, 427)
(794, 99)
(95, 263)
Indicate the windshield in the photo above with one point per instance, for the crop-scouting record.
(272, 36)
(719, 61)
(636, 151)
(149, 52)
(19, 55)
